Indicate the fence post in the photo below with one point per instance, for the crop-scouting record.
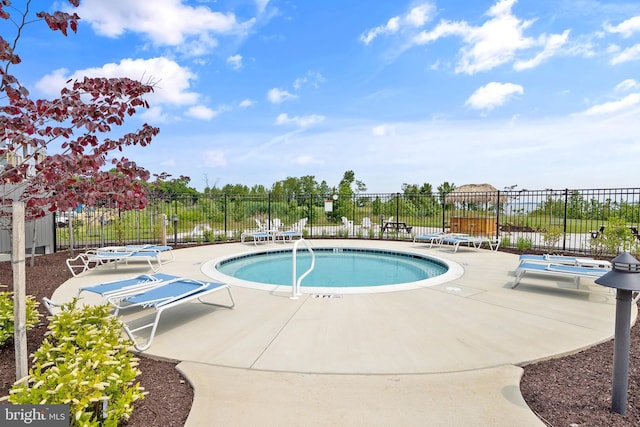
(163, 236)
(564, 228)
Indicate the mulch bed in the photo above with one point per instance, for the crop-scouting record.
(570, 391)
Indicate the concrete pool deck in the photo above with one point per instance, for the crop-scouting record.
(448, 354)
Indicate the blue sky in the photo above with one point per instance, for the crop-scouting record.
(534, 93)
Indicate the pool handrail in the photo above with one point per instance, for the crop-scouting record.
(295, 283)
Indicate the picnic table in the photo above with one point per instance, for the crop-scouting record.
(397, 226)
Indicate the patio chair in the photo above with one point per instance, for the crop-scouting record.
(296, 230)
(347, 224)
(563, 259)
(257, 236)
(94, 258)
(126, 286)
(432, 238)
(575, 272)
(117, 288)
(367, 223)
(166, 295)
(471, 241)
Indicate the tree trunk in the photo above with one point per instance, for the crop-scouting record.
(19, 290)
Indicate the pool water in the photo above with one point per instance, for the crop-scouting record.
(335, 267)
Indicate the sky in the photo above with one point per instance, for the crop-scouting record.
(533, 93)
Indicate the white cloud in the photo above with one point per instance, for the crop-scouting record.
(300, 121)
(214, 158)
(235, 61)
(627, 85)
(493, 95)
(382, 130)
(625, 28)
(164, 22)
(201, 112)
(628, 102)
(246, 103)
(552, 45)
(171, 81)
(278, 96)
(305, 160)
(311, 78)
(496, 42)
(414, 18)
(629, 54)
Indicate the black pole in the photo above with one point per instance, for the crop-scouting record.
(621, 352)
(175, 233)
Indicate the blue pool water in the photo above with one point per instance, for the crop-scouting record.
(335, 267)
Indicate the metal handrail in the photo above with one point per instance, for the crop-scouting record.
(295, 284)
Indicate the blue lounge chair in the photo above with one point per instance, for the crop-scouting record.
(476, 241)
(562, 259)
(118, 288)
(94, 258)
(575, 272)
(127, 286)
(432, 238)
(164, 296)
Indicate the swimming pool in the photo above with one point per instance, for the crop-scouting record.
(337, 269)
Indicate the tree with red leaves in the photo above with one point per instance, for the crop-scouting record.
(61, 145)
(55, 156)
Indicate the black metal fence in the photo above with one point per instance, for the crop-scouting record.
(594, 221)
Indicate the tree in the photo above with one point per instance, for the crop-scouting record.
(46, 177)
(61, 155)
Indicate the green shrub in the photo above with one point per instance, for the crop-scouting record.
(524, 243)
(83, 362)
(505, 241)
(7, 316)
(615, 238)
(551, 237)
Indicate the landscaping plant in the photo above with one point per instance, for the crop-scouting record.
(7, 316)
(83, 362)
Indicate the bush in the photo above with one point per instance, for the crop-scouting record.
(551, 237)
(83, 362)
(524, 243)
(7, 316)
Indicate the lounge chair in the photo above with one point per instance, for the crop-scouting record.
(257, 236)
(347, 224)
(575, 272)
(367, 223)
(476, 241)
(126, 286)
(562, 259)
(433, 238)
(164, 296)
(94, 258)
(118, 288)
(296, 230)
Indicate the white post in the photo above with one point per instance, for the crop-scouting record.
(294, 282)
(19, 291)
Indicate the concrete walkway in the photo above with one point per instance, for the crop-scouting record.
(447, 354)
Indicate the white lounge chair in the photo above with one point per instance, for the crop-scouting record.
(94, 258)
(471, 241)
(257, 236)
(296, 230)
(367, 223)
(575, 272)
(118, 288)
(347, 224)
(432, 238)
(562, 259)
(166, 295)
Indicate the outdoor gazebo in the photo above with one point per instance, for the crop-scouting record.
(477, 224)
